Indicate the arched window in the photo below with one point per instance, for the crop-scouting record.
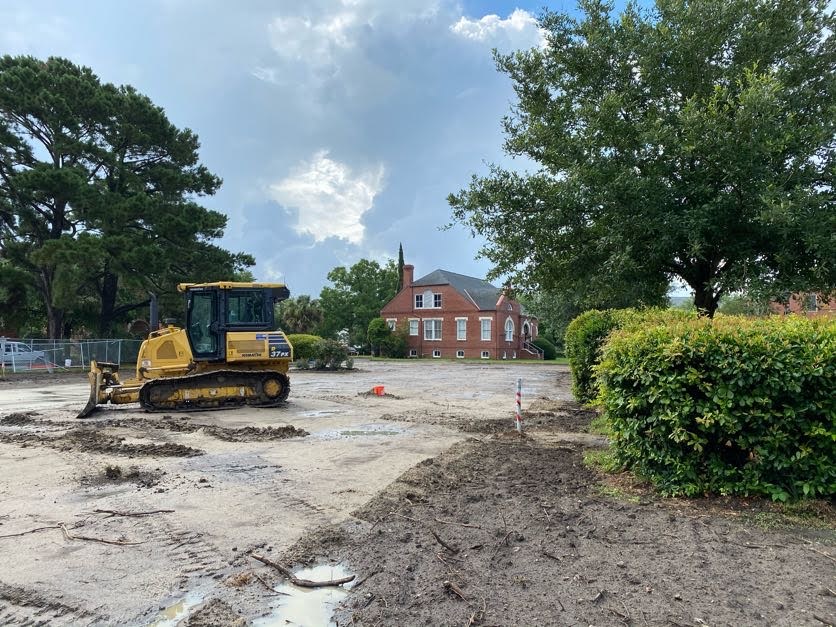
(526, 330)
(509, 330)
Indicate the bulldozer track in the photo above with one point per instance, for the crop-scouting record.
(271, 389)
(29, 607)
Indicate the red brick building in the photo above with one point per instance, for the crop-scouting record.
(809, 304)
(452, 315)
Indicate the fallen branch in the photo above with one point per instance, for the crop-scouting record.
(449, 547)
(114, 512)
(23, 533)
(304, 583)
(830, 557)
(478, 616)
(70, 536)
(450, 586)
(453, 522)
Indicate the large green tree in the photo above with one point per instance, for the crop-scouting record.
(98, 193)
(692, 141)
(356, 296)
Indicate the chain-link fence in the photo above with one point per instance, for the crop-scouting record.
(33, 354)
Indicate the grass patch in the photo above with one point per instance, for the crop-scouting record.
(600, 426)
(807, 514)
(602, 460)
(614, 492)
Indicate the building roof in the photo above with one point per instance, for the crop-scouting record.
(479, 291)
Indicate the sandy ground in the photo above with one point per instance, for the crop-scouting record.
(229, 482)
(442, 512)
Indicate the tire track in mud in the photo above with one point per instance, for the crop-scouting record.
(262, 478)
(29, 608)
(188, 551)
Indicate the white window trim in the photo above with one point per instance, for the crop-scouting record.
(459, 354)
(513, 328)
(482, 330)
(415, 301)
(417, 322)
(461, 339)
(436, 354)
(413, 352)
(392, 323)
(486, 355)
(427, 339)
(440, 298)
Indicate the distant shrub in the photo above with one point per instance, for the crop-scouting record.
(302, 364)
(397, 343)
(330, 354)
(549, 349)
(586, 334)
(730, 406)
(304, 346)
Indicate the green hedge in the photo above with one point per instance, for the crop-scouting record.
(586, 334)
(304, 346)
(549, 350)
(730, 406)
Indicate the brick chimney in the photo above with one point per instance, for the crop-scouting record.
(408, 275)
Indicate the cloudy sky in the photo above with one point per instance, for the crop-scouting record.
(338, 126)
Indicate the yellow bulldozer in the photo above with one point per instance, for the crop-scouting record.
(229, 355)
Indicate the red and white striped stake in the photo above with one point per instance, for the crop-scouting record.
(518, 413)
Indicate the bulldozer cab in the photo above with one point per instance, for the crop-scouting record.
(214, 309)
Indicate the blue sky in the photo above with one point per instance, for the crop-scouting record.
(338, 127)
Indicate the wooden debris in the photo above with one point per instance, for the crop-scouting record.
(449, 547)
(304, 583)
(451, 587)
(114, 512)
(70, 536)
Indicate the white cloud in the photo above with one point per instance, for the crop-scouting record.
(330, 198)
(518, 30)
(314, 43)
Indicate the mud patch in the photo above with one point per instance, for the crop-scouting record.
(113, 474)
(513, 531)
(91, 441)
(559, 415)
(256, 434)
(372, 394)
(18, 419)
(213, 613)
(30, 607)
(227, 434)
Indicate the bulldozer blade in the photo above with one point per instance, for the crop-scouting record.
(93, 400)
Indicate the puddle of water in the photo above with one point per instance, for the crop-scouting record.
(175, 612)
(311, 607)
(318, 413)
(360, 431)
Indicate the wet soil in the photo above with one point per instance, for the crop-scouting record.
(87, 440)
(214, 613)
(227, 434)
(543, 414)
(90, 438)
(532, 535)
(510, 530)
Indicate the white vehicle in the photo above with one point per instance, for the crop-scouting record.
(19, 353)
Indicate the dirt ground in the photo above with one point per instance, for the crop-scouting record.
(443, 513)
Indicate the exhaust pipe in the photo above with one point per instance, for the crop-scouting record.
(155, 312)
